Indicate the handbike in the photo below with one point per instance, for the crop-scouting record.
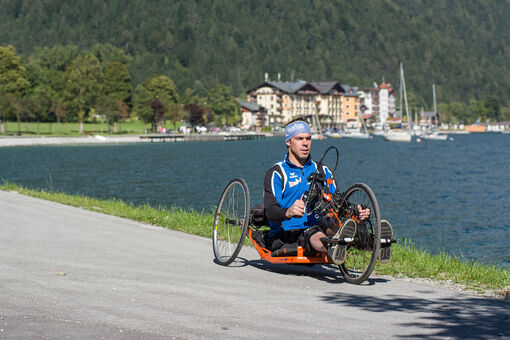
(234, 221)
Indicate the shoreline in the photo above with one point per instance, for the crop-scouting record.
(9, 141)
(95, 139)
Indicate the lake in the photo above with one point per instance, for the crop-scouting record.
(449, 196)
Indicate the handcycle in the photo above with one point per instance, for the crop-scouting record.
(234, 221)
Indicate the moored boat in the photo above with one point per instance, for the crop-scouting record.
(397, 136)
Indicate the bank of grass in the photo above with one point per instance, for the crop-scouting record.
(407, 261)
(130, 127)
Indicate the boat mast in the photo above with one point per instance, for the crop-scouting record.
(434, 97)
(400, 93)
(403, 81)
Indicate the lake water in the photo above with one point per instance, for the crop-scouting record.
(450, 196)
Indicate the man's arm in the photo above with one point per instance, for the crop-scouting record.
(273, 187)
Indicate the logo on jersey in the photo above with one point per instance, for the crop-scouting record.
(296, 182)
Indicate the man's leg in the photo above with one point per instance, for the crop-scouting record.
(316, 243)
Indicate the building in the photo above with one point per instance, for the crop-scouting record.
(253, 116)
(377, 104)
(287, 100)
(350, 108)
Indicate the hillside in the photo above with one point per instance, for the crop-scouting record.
(461, 46)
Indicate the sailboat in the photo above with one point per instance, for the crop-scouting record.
(400, 135)
(357, 133)
(435, 135)
(317, 130)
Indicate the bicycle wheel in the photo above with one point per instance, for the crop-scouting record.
(363, 252)
(231, 221)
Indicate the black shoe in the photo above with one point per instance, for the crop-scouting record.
(345, 234)
(386, 239)
(364, 239)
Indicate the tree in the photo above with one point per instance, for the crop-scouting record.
(142, 106)
(493, 106)
(225, 108)
(13, 81)
(57, 57)
(505, 114)
(159, 113)
(107, 53)
(475, 109)
(198, 115)
(117, 82)
(43, 97)
(83, 79)
(113, 110)
(59, 109)
(163, 89)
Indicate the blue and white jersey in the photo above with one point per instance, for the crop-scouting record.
(285, 183)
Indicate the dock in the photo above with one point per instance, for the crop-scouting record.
(201, 138)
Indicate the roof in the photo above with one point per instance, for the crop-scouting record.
(288, 87)
(350, 90)
(324, 87)
(251, 106)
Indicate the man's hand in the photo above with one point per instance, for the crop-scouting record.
(363, 213)
(297, 209)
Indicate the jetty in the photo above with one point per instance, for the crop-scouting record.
(201, 137)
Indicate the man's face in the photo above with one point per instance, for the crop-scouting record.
(300, 145)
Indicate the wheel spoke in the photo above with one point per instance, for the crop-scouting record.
(230, 227)
(362, 254)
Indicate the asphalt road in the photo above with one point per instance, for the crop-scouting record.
(71, 273)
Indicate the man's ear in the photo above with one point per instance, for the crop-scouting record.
(287, 143)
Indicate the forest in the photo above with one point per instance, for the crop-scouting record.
(199, 51)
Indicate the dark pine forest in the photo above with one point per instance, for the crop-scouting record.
(461, 46)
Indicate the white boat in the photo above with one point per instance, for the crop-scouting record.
(397, 136)
(316, 128)
(334, 135)
(401, 135)
(318, 136)
(436, 136)
(357, 134)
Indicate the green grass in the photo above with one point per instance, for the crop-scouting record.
(407, 261)
(73, 129)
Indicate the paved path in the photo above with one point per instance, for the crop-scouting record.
(126, 280)
(97, 139)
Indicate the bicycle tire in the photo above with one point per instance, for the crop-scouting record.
(360, 260)
(231, 221)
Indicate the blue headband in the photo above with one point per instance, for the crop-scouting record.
(296, 128)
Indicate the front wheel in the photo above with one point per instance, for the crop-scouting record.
(231, 221)
(363, 252)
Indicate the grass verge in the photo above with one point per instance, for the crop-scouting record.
(407, 261)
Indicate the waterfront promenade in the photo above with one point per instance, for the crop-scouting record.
(100, 139)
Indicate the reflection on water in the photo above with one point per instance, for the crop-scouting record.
(446, 196)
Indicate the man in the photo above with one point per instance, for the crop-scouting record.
(284, 186)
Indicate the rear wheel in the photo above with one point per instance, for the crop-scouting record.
(231, 221)
(363, 252)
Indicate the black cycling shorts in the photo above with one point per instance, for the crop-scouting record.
(294, 238)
